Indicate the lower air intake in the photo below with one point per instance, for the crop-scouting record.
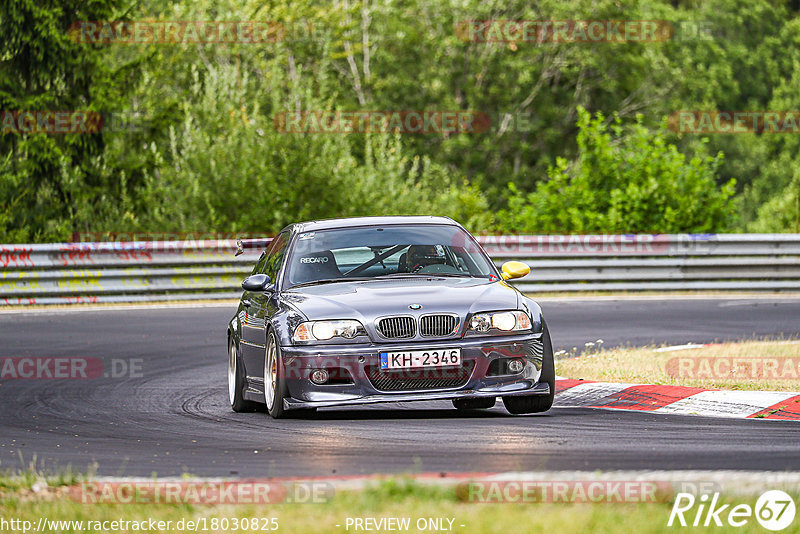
(420, 379)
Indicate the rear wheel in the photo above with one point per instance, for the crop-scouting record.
(236, 381)
(482, 403)
(274, 382)
(522, 404)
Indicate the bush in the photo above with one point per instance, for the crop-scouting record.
(226, 168)
(781, 213)
(623, 180)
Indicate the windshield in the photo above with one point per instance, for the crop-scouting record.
(392, 250)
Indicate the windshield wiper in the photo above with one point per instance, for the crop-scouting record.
(380, 277)
(398, 275)
(426, 275)
(330, 281)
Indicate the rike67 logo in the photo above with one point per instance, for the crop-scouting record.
(774, 510)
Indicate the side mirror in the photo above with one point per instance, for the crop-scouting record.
(256, 282)
(514, 269)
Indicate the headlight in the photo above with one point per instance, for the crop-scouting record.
(324, 330)
(506, 321)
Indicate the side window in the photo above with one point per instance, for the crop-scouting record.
(260, 263)
(274, 257)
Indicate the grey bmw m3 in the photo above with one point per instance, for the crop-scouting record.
(385, 309)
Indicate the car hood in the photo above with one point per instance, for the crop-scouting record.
(368, 300)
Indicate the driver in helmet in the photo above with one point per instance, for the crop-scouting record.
(420, 256)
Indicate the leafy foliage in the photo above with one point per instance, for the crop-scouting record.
(205, 155)
(49, 181)
(623, 180)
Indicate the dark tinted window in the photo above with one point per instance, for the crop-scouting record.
(388, 250)
(260, 263)
(272, 262)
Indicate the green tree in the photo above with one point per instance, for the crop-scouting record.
(47, 182)
(781, 213)
(623, 180)
(227, 167)
(199, 160)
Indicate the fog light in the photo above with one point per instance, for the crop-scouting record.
(515, 366)
(319, 376)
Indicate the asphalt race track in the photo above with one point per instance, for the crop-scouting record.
(172, 416)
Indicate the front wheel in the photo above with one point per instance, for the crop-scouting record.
(522, 404)
(274, 382)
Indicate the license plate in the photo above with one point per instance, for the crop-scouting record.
(411, 359)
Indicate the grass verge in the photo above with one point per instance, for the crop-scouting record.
(392, 498)
(748, 365)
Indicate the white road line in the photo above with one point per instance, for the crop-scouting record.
(688, 346)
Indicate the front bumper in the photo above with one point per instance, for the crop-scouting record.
(479, 378)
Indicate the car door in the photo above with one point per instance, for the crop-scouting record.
(257, 310)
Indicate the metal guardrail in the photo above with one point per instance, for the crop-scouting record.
(64, 273)
(642, 262)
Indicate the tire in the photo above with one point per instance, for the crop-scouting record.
(522, 404)
(481, 403)
(274, 381)
(236, 382)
